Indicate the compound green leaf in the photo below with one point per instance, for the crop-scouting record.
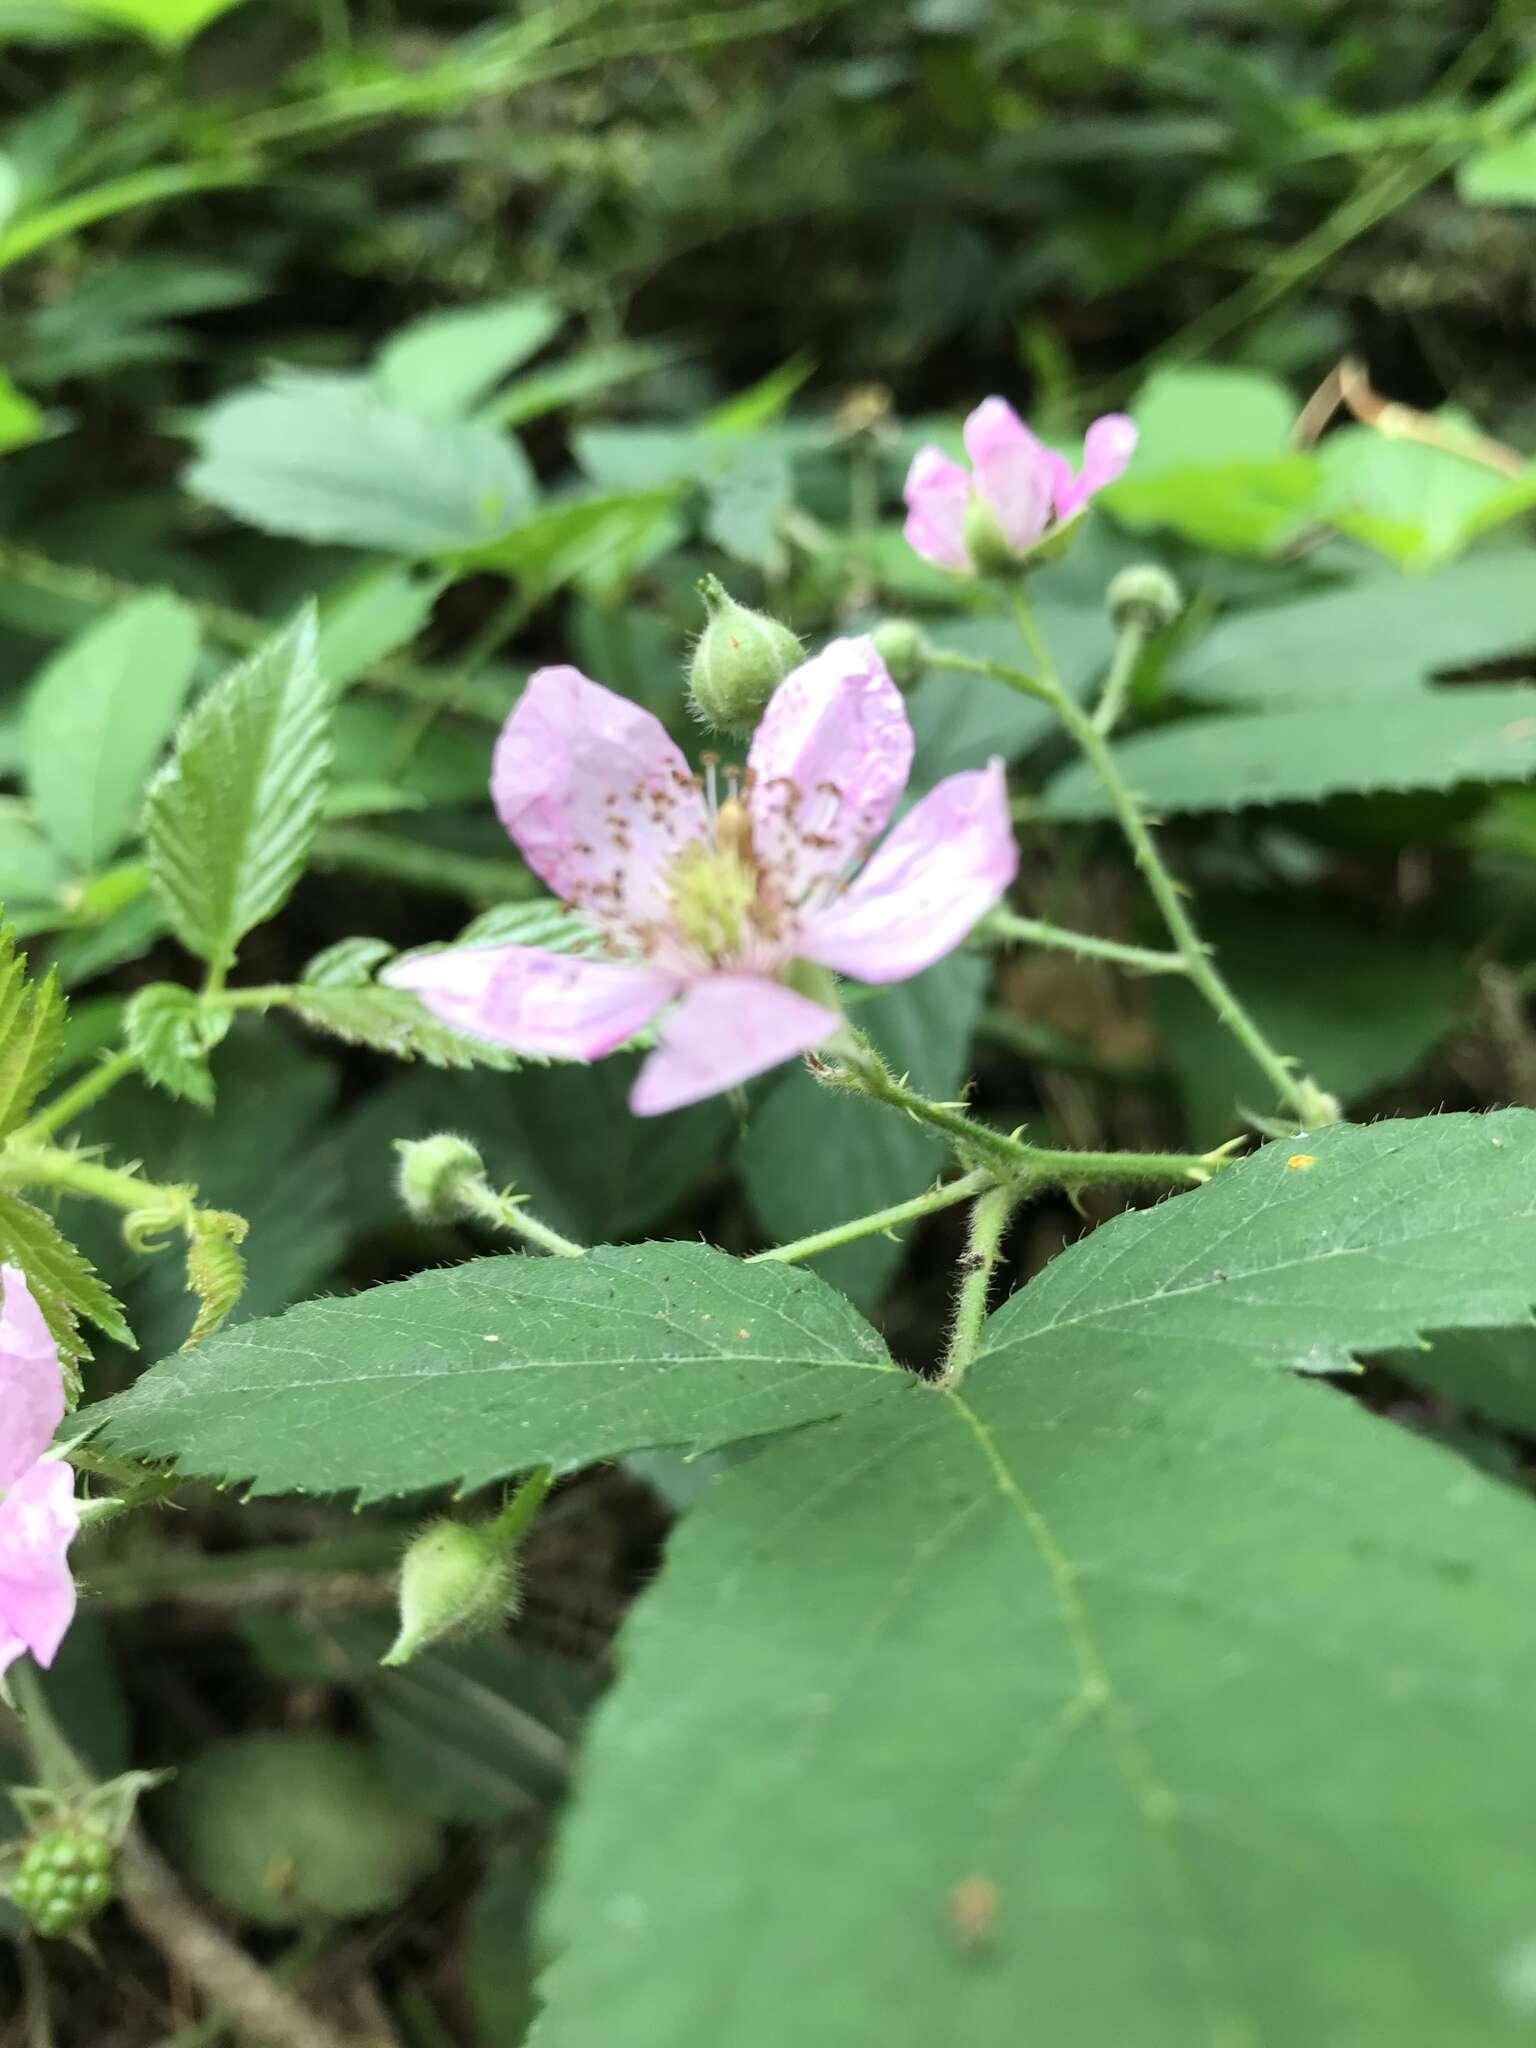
(442, 366)
(31, 1033)
(1140, 1693)
(489, 1368)
(1373, 638)
(231, 817)
(394, 1021)
(96, 720)
(1422, 740)
(327, 459)
(171, 1033)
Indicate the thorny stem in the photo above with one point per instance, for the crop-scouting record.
(1005, 925)
(160, 1907)
(857, 1067)
(1309, 1103)
(878, 1220)
(989, 1220)
(69, 1103)
(506, 1212)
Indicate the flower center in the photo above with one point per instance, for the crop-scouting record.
(712, 890)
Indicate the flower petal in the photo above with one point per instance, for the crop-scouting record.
(827, 764)
(536, 1002)
(725, 1030)
(38, 1520)
(31, 1384)
(949, 860)
(598, 797)
(935, 494)
(1108, 447)
(1014, 474)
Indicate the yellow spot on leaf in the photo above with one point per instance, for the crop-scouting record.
(1300, 1161)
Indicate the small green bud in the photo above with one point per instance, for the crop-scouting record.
(1144, 595)
(740, 659)
(899, 645)
(435, 1174)
(456, 1579)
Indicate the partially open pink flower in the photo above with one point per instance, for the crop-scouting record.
(709, 900)
(38, 1516)
(1021, 484)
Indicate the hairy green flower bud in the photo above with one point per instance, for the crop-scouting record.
(899, 645)
(1144, 595)
(434, 1174)
(456, 1579)
(740, 659)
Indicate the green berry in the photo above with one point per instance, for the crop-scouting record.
(64, 1879)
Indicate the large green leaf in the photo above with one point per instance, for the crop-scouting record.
(1140, 1693)
(1374, 637)
(96, 719)
(470, 1374)
(231, 817)
(326, 459)
(1423, 739)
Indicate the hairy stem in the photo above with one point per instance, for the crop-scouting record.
(878, 1221)
(506, 1212)
(1006, 926)
(989, 1220)
(70, 1102)
(860, 1070)
(1122, 667)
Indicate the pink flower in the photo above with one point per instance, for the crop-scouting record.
(709, 901)
(38, 1516)
(1022, 484)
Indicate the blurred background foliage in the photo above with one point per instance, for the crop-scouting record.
(496, 328)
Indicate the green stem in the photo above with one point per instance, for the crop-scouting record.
(989, 1220)
(68, 1104)
(507, 618)
(878, 1221)
(861, 1070)
(506, 1212)
(1301, 1093)
(47, 1166)
(1122, 667)
(1006, 926)
(515, 1519)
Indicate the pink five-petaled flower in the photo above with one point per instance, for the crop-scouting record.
(1021, 484)
(710, 901)
(38, 1516)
